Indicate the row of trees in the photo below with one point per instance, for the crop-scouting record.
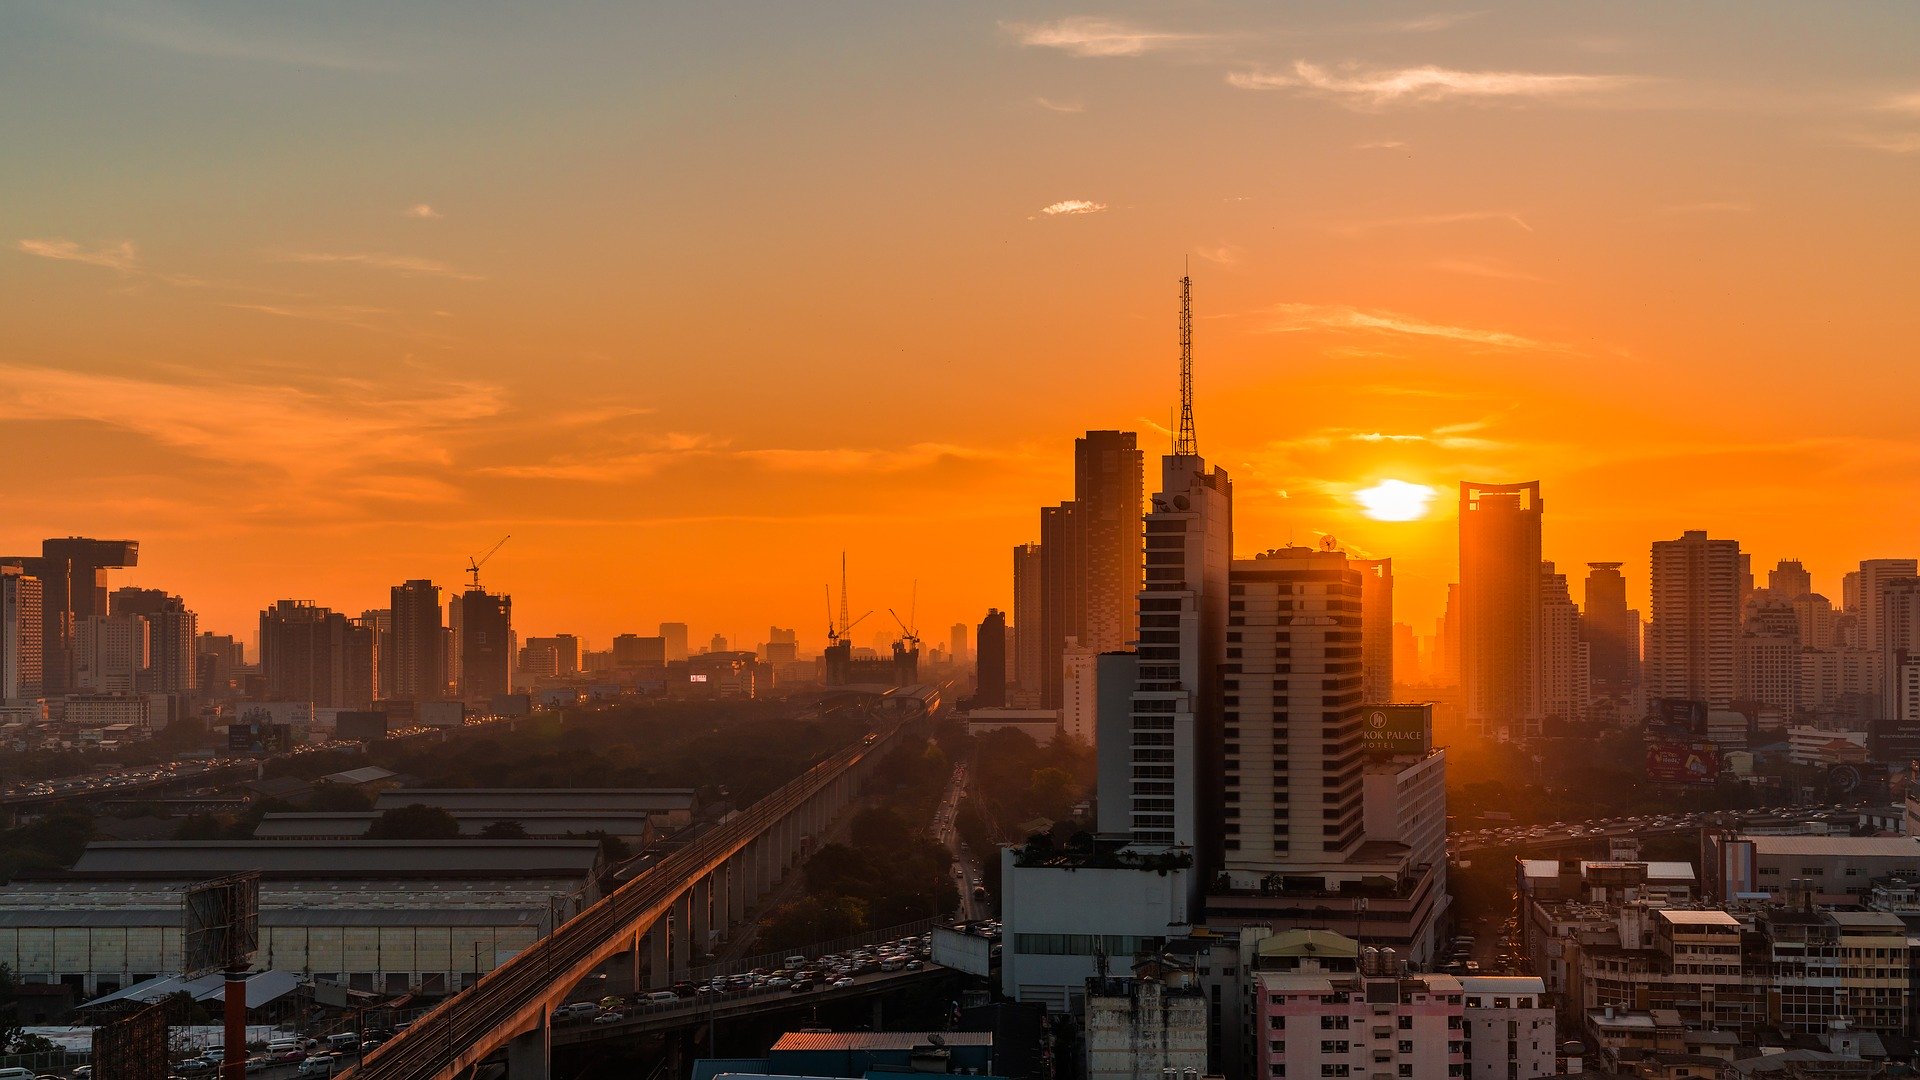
(888, 872)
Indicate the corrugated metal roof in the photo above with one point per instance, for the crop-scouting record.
(519, 799)
(339, 858)
(1835, 845)
(877, 1040)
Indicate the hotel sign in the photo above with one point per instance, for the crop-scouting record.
(1396, 730)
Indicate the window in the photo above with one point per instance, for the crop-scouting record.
(1406, 1023)
(1406, 1069)
(1277, 1023)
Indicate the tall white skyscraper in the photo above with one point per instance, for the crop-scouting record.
(110, 652)
(1376, 628)
(1691, 646)
(20, 634)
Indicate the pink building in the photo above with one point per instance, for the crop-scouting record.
(1378, 1024)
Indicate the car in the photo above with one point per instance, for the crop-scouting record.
(610, 1017)
(295, 1054)
(196, 1065)
(319, 1063)
(368, 1046)
(259, 1063)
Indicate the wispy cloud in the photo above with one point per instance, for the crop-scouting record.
(1291, 318)
(1059, 106)
(121, 256)
(1384, 144)
(1073, 206)
(1454, 217)
(1906, 103)
(1092, 36)
(172, 30)
(422, 211)
(401, 264)
(357, 315)
(1424, 24)
(1482, 268)
(1892, 142)
(1375, 88)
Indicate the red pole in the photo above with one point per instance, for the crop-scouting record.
(233, 1062)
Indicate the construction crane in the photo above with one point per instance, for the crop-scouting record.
(845, 625)
(475, 562)
(909, 631)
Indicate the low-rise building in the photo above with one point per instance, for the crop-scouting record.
(1146, 1027)
(1512, 1033)
(1832, 869)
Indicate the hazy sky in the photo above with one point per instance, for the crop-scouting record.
(314, 298)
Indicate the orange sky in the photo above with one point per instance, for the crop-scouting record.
(689, 300)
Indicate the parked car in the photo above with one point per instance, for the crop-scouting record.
(610, 1017)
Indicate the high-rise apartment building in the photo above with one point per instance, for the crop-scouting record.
(1174, 746)
(675, 635)
(1108, 490)
(990, 661)
(1500, 606)
(1565, 658)
(1291, 719)
(1874, 573)
(957, 637)
(110, 652)
(1789, 580)
(635, 651)
(1819, 623)
(171, 632)
(419, 667)
(486, 645)
(312, 654)
(1063, 592)
(1376, 628)
(554, 656)
(1767, 659)
(1029, 659)
(1897, 603)
(73, 587)
(218, 659)
(380, 622)
(1611, 630)
(1691, 646)
(20, 628)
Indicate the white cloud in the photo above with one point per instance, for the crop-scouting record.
(1426, 24)
(1088, 35)
(1455, 217)
(1384, 144)
(119, 257)
(1059, 106)
(1907, 103)
(403, 264)
(1073, 206)
(1482, 268)
(1298, 317)
(423, 211)
(1893, 142)
(1375, 88)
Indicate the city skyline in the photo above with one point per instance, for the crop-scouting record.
(291, 380)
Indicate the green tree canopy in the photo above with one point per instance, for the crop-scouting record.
(414, 822)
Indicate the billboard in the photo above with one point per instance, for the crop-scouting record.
(133, 1046)
(1683, 763)
(223, 923)
(1395, 730)
(961, 951)
(259, 737)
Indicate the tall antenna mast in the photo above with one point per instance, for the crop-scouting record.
(844, 624)
(1187, 444)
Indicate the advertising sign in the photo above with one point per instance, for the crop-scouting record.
(962, 951)
(1395, 730)
(1682, 763)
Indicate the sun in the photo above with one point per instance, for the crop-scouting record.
(1395, 500)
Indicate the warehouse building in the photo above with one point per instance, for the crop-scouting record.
(632, 827)
(670, 808)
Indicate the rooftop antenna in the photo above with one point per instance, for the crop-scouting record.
(1187, 444)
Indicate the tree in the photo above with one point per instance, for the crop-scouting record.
(414, 822)
(817, 918)
(1053, 792)
(504, 830)
(338, 797)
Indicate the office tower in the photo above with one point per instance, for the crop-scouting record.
(1897, 601)
(675, 634)
(1376, 627)
(1874, 573)
(1767, 660)
(1565, 660)
(1611, 630)
(1029, 652)
(312, 654)
(20, 628)
(1406, 654)
(1078, 692)
(990, 661)
(632, 651)
(1789, 580)
(1447, 638)
(73, 587)
(1691, 640)
(486, 643)
(1063, 582)
(218, 659)
(565, 649)
(419, 668)
(1500, 606)
(1108, 483)
(1291, 734)
(110, 652)
(1818, 622)
(380, 622)
(171, 632)
(957, 642)
(1175, 717)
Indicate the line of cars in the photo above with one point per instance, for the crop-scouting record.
(310, 1055)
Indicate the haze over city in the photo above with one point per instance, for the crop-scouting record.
(690, 301)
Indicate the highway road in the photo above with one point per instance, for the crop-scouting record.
(1462, 844)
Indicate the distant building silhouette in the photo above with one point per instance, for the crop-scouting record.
(1063, 584)
(486, 645)
(990, 661)
(634, 651)
(171, 630)
(1500, 606)
(957, 642)
(1612, 632)
(1790, 580)
(419, 668)
(314, 655)
(1565, 658)
(1028, 636)
(73, 587)
(675, 634)
(1376, 628)
(1108, 491)
(21, 625)
(1692, 639)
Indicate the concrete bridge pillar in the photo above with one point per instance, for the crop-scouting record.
(636, 956)
(528, 1055)
(657, 969)
(682, 938)
(736, 891)
(700, 900)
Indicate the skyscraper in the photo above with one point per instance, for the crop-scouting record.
(1767, 656)
(73, 587)
(171, 631)
(675, 634)
(1029, 655)
(1789, 580)
(1692, 639)
(990, 661)
(1565, 659)
(486, 645)
(634, 651)
(20, 630)
(957, 641)
(1291, 723)
(1898, 605)
(1376, 628)
(1611, 630)
(1500, 606)
(419, 668)
(109, 653)
(1063, 583)
(312, 654)
(1107, 490)
(1874, 574)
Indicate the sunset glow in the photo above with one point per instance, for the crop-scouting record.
(1395, 500)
